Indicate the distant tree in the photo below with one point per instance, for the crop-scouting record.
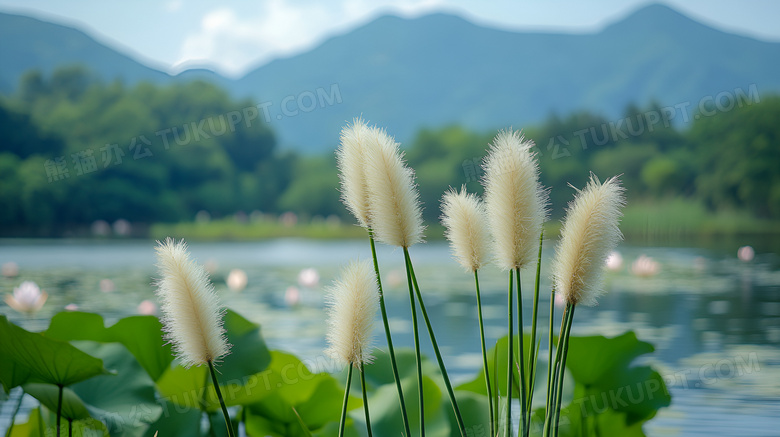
(147, 153)
(22, 137)
(70, 82)
(739, 158)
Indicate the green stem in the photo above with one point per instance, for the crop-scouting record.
(496, 390)
(521, 360)
(510, 344)
(70, 427)
(439, 358)
(550, 343)
(16, 411)
(346, 399)
(59, 409)
(39, 419)
(365, 399)
(532, 356)
(242, 420)
(554, 380)
(484, 357)
(416, 343)
(386, 323)
(212, 433)
(214, 380)
(203, 406)
(562, 367)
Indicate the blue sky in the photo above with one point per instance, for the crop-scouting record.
(233, 37)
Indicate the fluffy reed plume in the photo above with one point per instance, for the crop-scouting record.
(192, 315)
(394, 211)
(590, 232)
(465, 221)
(353, 303)
(351, 158)
(514, 199)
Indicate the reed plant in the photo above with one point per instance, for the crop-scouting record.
(192, 314)
(395, 215)
(357, 141)
(516, 210)
(590, 232)
(379, 189)
(353, 303)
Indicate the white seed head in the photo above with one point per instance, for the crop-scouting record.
(590, 232)
(394, 206)
(192, 315)
(465, 222)
(514, 199)
(350, 157)
(353, 301)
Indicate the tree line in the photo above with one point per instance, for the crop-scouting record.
(74, 149)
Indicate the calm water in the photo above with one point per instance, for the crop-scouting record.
(714, 320)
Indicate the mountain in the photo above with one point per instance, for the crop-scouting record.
(439, 69)
(28, 43)
(442, 69)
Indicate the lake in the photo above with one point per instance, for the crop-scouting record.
(714, 320)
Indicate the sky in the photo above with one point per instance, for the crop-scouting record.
(235, 37)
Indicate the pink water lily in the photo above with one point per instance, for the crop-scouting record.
(27, 298)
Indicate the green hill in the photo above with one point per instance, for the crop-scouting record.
(441, 69)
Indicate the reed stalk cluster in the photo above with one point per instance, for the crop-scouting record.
(505, 227)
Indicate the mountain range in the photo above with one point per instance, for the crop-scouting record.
(440, 69)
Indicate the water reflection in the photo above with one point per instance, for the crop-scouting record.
(714, 320)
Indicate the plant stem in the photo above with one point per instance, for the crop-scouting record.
(532, 356)
(439, 358)
(416, 343)
(510, 343)
(59, 409)
(484, 357)
(202, 404)
(562, 366)
(521, 360)
(346, 399)
(365, 399)
(212, 433)
(70, 427)
(552, 390)
(41, 426)
(214, 380)
(242, 422)
(390, 348)
(496, 390)
(15, 412)
(550, 331)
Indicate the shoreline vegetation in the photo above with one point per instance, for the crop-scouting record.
(642, 221)
(79, 153)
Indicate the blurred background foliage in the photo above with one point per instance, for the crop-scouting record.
(723, 163)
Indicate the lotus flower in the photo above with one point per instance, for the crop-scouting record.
(644, 266)
(27, 298)
(147, 308)
(237, 280)
(746, 253)
(614, 261)
(292, 296)
(308, 278)
(10, 269)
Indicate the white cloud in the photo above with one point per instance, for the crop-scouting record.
(234, 42)
(174, 5)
